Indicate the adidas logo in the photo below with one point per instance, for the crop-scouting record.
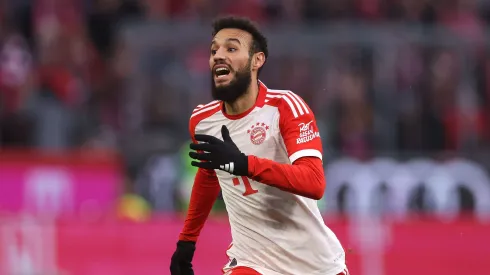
(229, 167)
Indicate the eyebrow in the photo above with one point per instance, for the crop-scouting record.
(228, 40)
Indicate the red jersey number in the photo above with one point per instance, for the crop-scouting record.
(248, 187)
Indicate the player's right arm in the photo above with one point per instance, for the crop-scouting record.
(205, 190)
(204, 193)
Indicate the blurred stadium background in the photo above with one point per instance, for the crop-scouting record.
(95, 97)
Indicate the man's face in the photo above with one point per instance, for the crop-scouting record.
(230, 63)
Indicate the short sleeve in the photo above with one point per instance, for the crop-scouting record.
(299, 130)
(200, 113)
(193, 121)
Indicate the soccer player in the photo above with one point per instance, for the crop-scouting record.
(262, 148)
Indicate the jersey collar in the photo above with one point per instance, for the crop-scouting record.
(258, 103)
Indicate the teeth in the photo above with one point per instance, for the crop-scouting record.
(221, 69)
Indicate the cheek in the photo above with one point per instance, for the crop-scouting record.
(241, 64)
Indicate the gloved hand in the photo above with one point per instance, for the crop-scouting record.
(217, 154)
(181, 263)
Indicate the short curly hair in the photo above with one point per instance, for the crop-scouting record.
(232, 22)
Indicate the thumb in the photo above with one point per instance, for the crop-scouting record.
(225, 133)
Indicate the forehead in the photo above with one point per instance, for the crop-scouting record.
(226, 34)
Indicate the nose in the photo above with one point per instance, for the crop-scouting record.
(219, 55)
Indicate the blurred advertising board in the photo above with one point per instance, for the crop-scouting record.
(58, 184)
(30, 246)
(385, 186)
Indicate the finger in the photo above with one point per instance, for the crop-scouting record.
(200, 156)
(204, 165)
(203, 147)
(208, 139)
(225, 133)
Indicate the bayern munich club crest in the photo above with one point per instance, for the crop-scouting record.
(258, 133)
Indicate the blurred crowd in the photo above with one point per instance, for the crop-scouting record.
(65, 73)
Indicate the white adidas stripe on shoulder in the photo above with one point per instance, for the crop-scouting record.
(200, 106)
(300, 105)
(294, 101)
(207, 107)
(301, 101)
(293, 109)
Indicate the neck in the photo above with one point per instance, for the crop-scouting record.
(244, 102)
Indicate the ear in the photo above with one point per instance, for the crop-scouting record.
(258, 60)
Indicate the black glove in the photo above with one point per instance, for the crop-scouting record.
(181, 263)
(223, 155)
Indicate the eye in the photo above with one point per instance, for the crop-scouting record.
(213, 52)
(231, 49)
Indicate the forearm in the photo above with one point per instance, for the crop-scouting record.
(305, 177)
(204, 193)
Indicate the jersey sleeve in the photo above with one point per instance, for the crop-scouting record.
(299, 130)
(204, 193)
(305, 177)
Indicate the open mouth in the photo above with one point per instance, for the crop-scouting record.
(221, 72)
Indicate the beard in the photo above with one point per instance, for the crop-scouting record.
(236, 88)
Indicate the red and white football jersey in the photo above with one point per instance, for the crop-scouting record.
(273, 231)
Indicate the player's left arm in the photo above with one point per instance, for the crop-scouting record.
(305, 176)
